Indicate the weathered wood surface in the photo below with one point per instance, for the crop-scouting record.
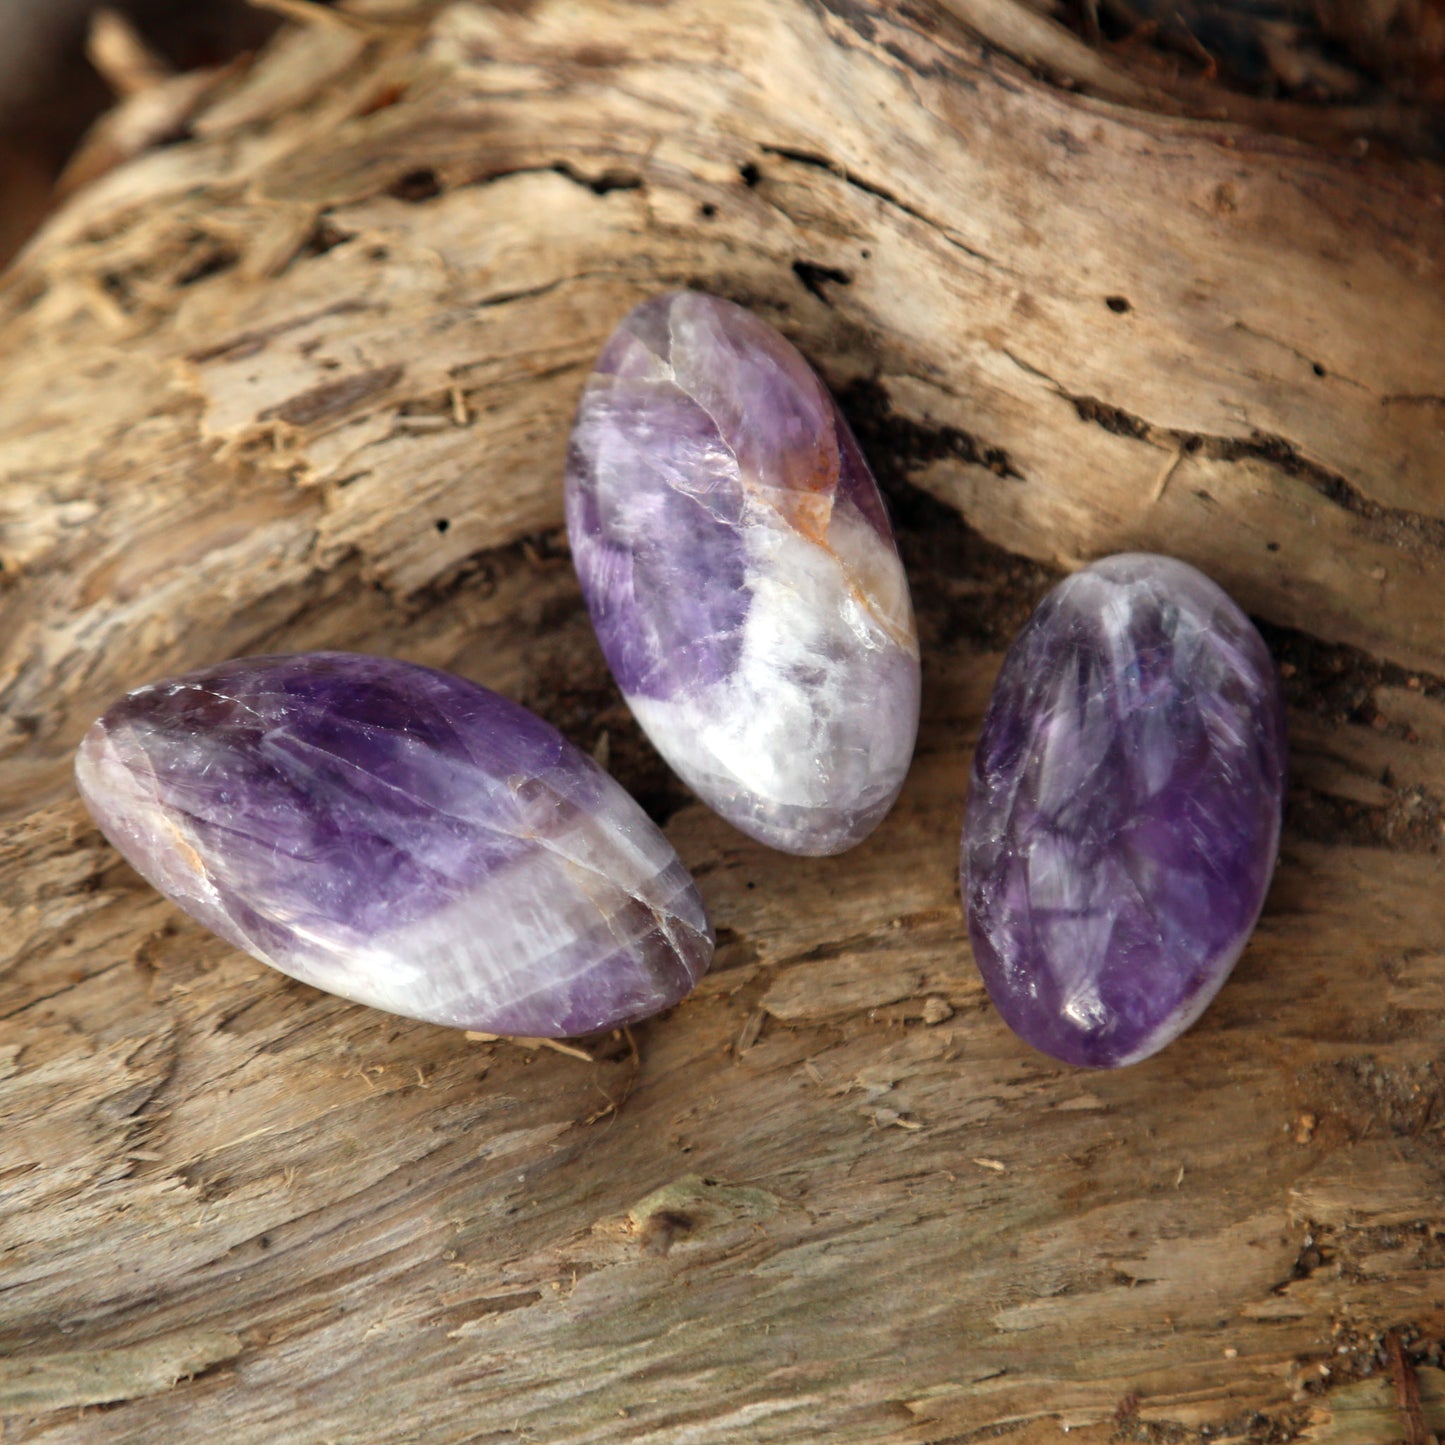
(304, 380)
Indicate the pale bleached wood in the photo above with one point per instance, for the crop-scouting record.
(829, 1197)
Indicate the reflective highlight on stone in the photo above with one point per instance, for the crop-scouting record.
(401, 837)
(1124, 813)
(736, 557)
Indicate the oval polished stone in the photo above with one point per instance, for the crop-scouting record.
(738, 563)
(1124, 812)
(401, 837)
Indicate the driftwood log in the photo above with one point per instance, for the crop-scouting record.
(302, 378)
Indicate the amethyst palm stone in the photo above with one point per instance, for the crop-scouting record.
(1124, 813)
(738, 564)
(401, 837)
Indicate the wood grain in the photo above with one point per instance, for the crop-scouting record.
(304, 380)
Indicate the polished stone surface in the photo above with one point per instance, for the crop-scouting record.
(1124, 812)
(737, 560)
(401, 837)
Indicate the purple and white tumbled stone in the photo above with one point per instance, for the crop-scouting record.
(1124, 813)
(738, 563)
(400, 837)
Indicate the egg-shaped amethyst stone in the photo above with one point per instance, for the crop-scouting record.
(1124, 812)
(401, 837)
(737, 560)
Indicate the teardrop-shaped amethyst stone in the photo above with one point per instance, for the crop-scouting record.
(1124, 813)
(401, 837)
(738, 564)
